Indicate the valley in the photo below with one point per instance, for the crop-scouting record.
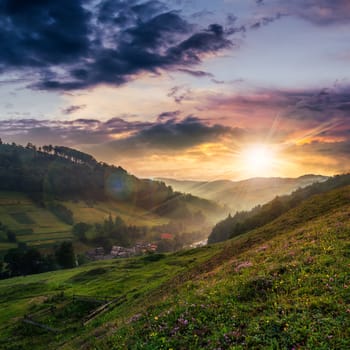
(284, 284)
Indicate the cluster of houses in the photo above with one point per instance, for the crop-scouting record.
(121, 252)
(138, 249)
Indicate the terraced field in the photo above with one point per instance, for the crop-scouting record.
(38, 227)
(97, 212)
(32, 224)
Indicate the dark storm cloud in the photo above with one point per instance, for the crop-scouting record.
(41, 33)
(68, 45)
(173, 135)
(73, 109)
(168, 133)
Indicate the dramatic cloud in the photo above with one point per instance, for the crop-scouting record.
(68, 45)
(174, 135)
(75, 132)
(167, 133)
(302, 104)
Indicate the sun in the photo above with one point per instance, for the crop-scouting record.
(258, 160)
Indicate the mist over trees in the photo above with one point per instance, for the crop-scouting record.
(245, 221)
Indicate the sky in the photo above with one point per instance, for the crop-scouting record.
(187, 89)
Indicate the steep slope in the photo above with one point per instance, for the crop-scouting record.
(281, 286)
(245, 221)
(246, 194)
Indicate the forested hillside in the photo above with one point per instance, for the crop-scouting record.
(245, 221)
(46, 191)
(60, 173)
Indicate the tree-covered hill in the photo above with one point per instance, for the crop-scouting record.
(51, 173)
(245, 221)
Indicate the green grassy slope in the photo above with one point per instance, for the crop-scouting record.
(282, 286)
(134, 278)
(38, 227)
(83, 212)
(31, 223)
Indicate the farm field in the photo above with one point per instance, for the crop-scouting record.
(97, 212)
(37, 226)
(32, 224)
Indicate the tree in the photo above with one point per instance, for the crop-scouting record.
(79, 230)
(32, 262)
(24, 262)
(11, 237)
(65, 255)
(13, 259)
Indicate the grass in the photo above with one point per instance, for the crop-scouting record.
(38, 227)
(31, 223)
(134, 278)
(97, 212)
(283, 286)
(287, 290)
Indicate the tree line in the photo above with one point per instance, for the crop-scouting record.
(108, 233)
(24, 260)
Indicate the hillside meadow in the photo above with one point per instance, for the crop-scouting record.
(281, 286)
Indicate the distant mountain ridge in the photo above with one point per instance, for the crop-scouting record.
(261, 215)
(245, 194)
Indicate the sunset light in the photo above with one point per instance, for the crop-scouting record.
(258, 160)
(169, 172)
